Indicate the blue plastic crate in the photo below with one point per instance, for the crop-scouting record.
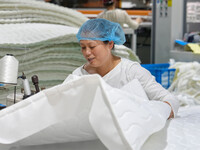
(162, 73)
(2, 106)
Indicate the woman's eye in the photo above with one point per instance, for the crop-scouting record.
(82, 47)
(92, 47)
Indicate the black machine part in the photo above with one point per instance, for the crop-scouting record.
(35, 83)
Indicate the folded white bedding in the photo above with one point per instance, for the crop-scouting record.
(181, 133)
(82, 109)
(32, 33)
(31, 11)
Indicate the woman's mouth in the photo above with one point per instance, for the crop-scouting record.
(90, 59)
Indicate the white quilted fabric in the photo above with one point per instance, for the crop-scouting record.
(134, 119)
(31, 11)
(181, 133)
(30, 33)
(135, 87)
(59, 115)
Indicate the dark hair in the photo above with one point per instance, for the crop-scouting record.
(106, 42)
(108, 3)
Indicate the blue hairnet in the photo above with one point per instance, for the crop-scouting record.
(102, 30)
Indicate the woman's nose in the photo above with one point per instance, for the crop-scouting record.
(87, 51)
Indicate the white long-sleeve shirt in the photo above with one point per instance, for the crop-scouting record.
(119, 16)
(128, 70)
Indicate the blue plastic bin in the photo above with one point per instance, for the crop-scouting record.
(2, 106)
(162, 73)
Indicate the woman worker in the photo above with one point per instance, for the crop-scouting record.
(117, 15)
(97, 38)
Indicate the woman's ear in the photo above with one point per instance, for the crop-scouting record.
(111, 44)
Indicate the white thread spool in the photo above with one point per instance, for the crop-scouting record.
(9, 69)
(27, 90)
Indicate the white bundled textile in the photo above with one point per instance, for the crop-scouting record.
(68, 112)
(186, 84)
(31, 11)
(125, 52)
(179, 133)
(83, 110)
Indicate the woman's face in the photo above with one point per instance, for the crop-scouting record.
(97, 53)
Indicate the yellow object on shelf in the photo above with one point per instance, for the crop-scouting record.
(194, 47)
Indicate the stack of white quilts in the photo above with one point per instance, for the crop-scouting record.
(47, 50)
(30, 11)
(42, 36)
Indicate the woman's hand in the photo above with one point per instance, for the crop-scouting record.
(139, 20)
